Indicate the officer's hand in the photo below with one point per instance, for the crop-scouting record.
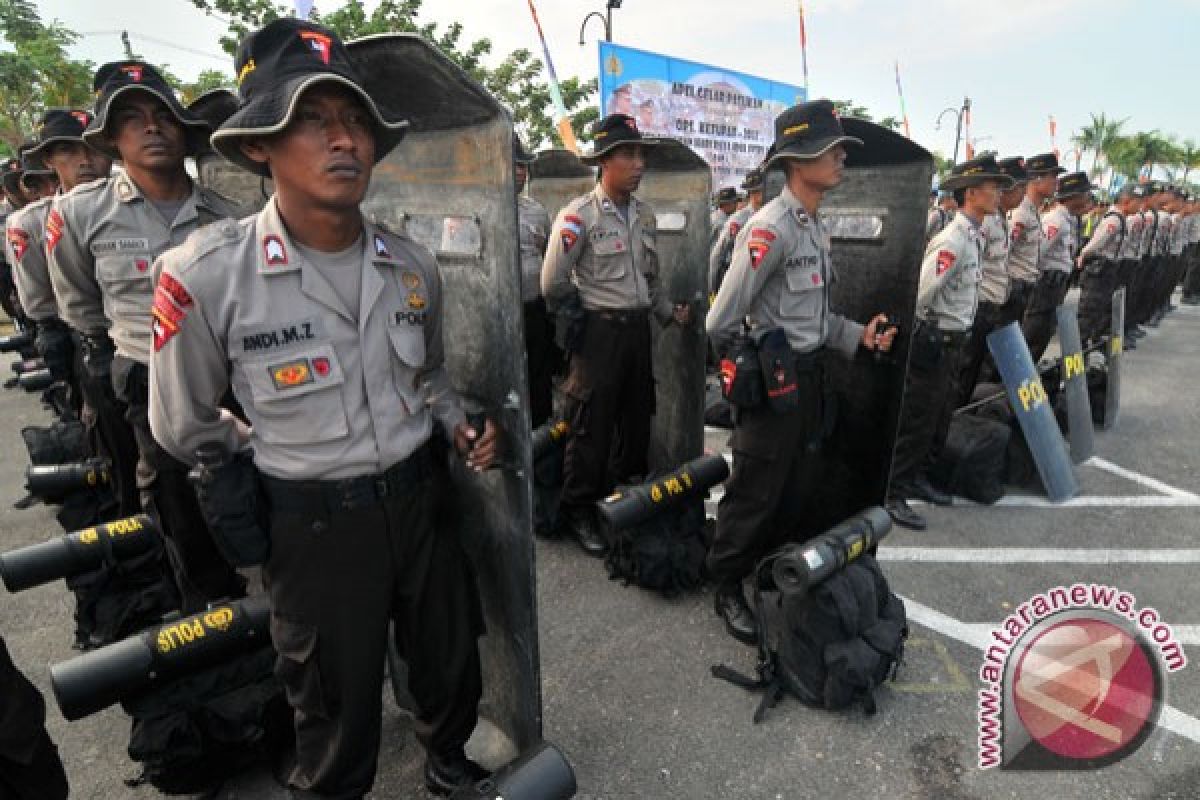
(479, 451)
(682, 314)
(875, 338)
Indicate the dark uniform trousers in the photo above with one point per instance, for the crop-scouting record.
(1140, 306)
(543, 359)
(1191, 280)
(201, 573)
(930, 391)
(110, 437)
(1041, 321)
(1096, 286)
(340, 569)
(30, 768)
(609, 402)
(988, 317)
(776, 478)
(1127, 270)
(1173, 277)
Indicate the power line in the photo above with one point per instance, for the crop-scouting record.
(163, 43)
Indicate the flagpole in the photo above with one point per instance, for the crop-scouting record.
(563, 123)
(903, 110)
(803, 48)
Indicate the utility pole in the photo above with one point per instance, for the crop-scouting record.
(128, 48)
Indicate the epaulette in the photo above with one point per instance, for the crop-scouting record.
(90, 186)
(206, 240)
(36, 205)
(770, 214)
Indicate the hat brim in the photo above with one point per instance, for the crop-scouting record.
(593, 159)
(1041, 173)
(1073, 192)
(96, 135)
(272, 112)
(955, 182)
(806, 151)
(40, 147)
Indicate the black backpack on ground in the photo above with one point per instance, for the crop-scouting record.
(193, 733)
(665, 553)
(122, 597)
(61, 442)
(831, 647)
(974, 461)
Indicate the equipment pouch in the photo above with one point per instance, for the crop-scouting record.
(926, 350)
(741, 375)
(234, 506)
(778, 364)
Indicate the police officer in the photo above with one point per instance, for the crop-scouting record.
(543, 356)
(101, 240)
(721, 252)
(1175, 248)
(725, 203)
(1027, 236)
(941, 214)
(1191, 280)
(946, 301)
(27, 182)
(1138, 310)
(996, 281)
(1100, 261)
(329, 329)
(603, 254)
(779, 281)
(1060, 232)
(1129, 260)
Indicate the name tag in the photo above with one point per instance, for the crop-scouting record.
(123, 245)
(279, 337)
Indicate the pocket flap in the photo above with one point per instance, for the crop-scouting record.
(295, 374)
(408, 343)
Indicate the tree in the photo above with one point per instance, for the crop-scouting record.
(847, 108)
(516, 81)
(1142, 151)
(1097, 135)
(1189, 157)
(37, 72)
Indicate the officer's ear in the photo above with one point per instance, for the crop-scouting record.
(254, 149)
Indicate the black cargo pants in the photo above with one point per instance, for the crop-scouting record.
(1096, 287)
(988, 317)
(930, 391)
(338, 572)
(1041, 321)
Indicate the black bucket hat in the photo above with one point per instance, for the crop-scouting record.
(1073, 183)
(1040, 166)
(278, 63)
(61, 125)
(808, 130)
(14, 174)
(612, 132)
(121, 77)
(1014, 168)
(520, 154)
(10, 166)
(753, 182)
(975, 172)
(727, 194)
(214, 106)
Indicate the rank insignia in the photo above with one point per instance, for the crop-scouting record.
(411, 280)
(945, 260)
(416, 301)
(291, 374)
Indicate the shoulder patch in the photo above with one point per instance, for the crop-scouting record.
(18, 240)
(54, 229)
(945, 260)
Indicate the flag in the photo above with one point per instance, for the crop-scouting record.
(900, 91)
(803, 48)
(563, 123)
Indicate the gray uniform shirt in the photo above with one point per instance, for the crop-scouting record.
(716, 221)
(779, 278)
(1108, 237)
(102, 240)
(1150, 225)
(937, 221)
(327, 397)
(993, 287)
(1058, 249)
(535, 232)
(25, 248)
(1025, 242)
(721, 252)
(1131, 248)
(1193, 228)
(612, 264)
(948, 293)
(1175, 245)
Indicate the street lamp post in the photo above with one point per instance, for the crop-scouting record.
(605, 18)
(959, 113)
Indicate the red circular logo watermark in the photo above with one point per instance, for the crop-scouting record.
(1086, 689)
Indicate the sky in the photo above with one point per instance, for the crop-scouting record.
(1019, 61)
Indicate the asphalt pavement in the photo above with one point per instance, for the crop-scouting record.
(627, 690)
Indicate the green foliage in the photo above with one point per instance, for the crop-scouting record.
(516, 81)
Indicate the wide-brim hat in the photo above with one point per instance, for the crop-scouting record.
(976, 172)
(610, 133)
(727, 194)
(807, 131)
(11, 178)
(520, 154)
(61, 125)
(1014, 168)
(276, 65)
(754, 181)
(1073, 183)
(214, 107)
(1042, 165)
(119, 78)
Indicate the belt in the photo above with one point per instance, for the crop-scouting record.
(947, 337)
(811, 361)
(622, 317)
(350, 494)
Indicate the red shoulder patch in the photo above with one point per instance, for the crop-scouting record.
(174, 289)
(758, 250)
(762, 233)
(1112, 227)
(171, 302)
(1051, 231)
(945, 260)
(55, 227)
(734, 228)
(18, 240)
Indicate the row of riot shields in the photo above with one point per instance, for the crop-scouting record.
(450, 186)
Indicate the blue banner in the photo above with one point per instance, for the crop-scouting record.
(727, 117)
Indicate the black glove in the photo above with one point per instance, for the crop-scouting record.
(231, 499)
(98, 352)
(53, 341)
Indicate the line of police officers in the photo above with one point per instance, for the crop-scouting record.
(281, 340)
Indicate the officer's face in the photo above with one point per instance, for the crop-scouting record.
(146, 133)
(1011, 198)
(35, 187)
(1045, 184)
(823, 172)
(623, 168)
(325, 154)
(520, 176)
(984, 199)
(76, 163)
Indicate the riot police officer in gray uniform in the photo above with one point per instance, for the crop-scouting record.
(329, 329)
(778, 284)
(542, 355)
(722, 250)
(946, 302)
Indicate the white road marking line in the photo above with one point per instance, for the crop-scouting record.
(978, 636)
(1130, 501)
(1037, 555)
(1137, 477)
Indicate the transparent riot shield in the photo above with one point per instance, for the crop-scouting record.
(876, 217)
(449, 185)
(556, 177)
(676, 184)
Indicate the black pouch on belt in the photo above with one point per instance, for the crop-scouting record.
(741, 376)
(234, 505)
(780, 378)
(926, 349)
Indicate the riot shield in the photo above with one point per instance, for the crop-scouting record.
(1027, 396)
(1113, 357)
(556, 177)
(243, 187)
(676, 184)
(877, 221)
(1074, 375)
(449, 185)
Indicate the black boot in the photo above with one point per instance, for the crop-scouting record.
(922, 489)
(581, 523)
(448, 773)
(731, 606)
(904, 515)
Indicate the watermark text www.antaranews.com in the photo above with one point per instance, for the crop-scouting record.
(1073, 679)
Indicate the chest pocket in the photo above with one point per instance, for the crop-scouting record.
(803, 293)
(611, 259)
(297, 396)
(408, 362)
(127, 281)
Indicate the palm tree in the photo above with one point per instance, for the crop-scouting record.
(1189, 157)
(1097, 136)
